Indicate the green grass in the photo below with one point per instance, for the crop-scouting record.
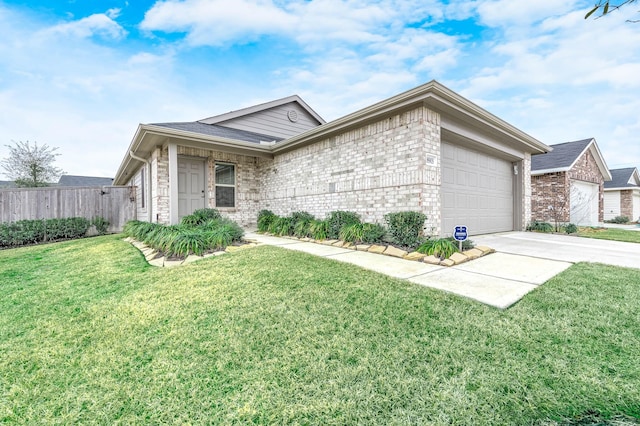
(90, 334)
(610, 234)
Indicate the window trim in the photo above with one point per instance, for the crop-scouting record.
(234, 186)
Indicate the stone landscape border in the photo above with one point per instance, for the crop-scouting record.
(155, 258)
(390, 250)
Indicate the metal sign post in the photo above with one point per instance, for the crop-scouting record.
(460, 234)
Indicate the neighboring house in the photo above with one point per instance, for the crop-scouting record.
(622, 194)
(567, 184)
(427, 149)
(5, 184)
(72, 180)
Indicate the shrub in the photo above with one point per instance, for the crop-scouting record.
(186, 242)
(101, 224)
(405, 227)
(439, 247)
(539, 226)
(200, 216)
(282, 226)
(319, 229)
(301, 221)
(466, 244)
(571, 229)
(362, 233)
(337, 219)
(265, 217)
(40, 230)
(619, 219)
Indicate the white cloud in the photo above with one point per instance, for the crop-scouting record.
(214, 22)
(99, 24)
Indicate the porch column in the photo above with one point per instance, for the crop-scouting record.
(173, 184)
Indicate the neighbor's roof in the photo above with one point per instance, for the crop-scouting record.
(7, 184)
(564, 156)
(73, 180)
(621, 177)
(219, 131)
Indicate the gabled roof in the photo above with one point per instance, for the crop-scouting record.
(73, 180)
(621, 179)
(261, 107)
(220, 131)
(225, 138)
(565, 155)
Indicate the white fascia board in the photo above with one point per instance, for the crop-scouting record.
(431, 91)
(624, 188)
(545, 171)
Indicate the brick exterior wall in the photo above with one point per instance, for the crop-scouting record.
(386, 166)
(551, 192)
(550, 197)
(373, 170)
(626, 204)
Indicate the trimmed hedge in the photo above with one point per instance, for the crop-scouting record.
(23, 232)
(405, 227)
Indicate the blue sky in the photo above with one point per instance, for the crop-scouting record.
(81, 75)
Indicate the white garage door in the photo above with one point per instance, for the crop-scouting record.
(611, 204)
(477, 191)
(584, 203)
(636, 207)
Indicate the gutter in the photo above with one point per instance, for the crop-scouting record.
(148, 177)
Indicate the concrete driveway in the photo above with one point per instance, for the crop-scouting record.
(565, 248)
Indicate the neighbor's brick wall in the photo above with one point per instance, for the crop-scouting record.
(626, 204)
(586, 169)
(550, 193)
(372, 170)
(550, 197)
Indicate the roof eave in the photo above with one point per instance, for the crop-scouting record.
(193, 139)
(431, 93)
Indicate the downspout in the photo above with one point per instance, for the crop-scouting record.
(148, 163)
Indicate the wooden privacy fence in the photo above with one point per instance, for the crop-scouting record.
(114, 203)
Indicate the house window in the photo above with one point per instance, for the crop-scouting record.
(225, 175)
(142, 188)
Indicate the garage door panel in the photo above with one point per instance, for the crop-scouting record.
(483, 190)
(584, 203)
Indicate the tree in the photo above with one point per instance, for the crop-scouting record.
(31, 166)
(605, 6)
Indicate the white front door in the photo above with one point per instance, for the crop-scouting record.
(191, 186)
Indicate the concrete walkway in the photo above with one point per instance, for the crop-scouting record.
(498, 279)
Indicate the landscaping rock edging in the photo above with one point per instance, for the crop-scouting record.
(389, 250)
(154, 258)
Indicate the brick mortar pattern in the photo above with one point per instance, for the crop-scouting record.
(550, 193)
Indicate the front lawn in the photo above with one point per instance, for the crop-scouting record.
(614, 234)
(90, 334)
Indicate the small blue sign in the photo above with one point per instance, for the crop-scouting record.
(460, 233)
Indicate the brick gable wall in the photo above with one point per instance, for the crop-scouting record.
(550, 197)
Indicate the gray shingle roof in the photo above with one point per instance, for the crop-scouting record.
(562, 156)
(620, 178)
(71, 180)
(220, 131)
